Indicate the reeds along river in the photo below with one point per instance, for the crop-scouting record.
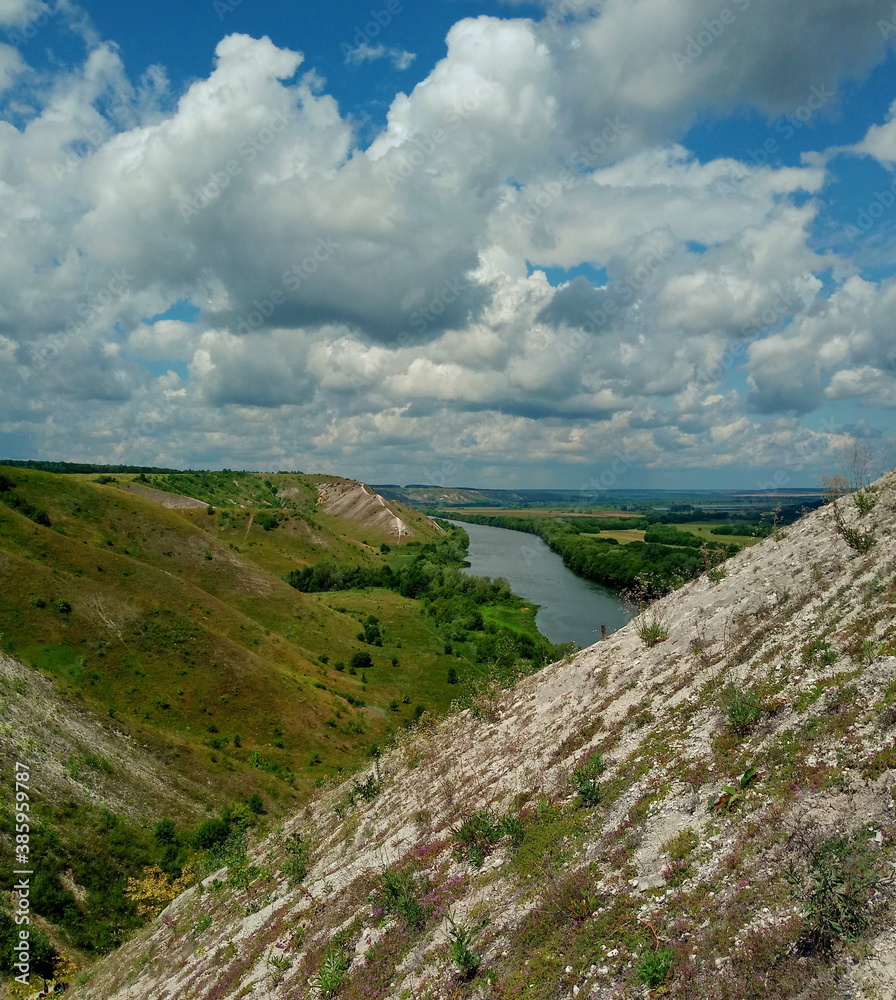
(571, 608)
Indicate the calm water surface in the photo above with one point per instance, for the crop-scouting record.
(570, 608)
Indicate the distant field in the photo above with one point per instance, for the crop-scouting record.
(540, 512)
(623, 536)
(701, 529)
(704, 530)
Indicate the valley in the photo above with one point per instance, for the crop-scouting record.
(155, 665)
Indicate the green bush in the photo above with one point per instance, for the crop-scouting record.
(839, 894)
(295, 867)
(585, 780)
(209, 834)
(465, 959)
(165, 831)
(361, 660)
(655, 966)
(743, 709)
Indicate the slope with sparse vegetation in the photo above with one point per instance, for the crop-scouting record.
(155, 666)
(700, 807)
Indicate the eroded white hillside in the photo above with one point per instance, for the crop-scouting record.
(777, 681)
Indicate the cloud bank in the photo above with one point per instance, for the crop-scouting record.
(526, 273)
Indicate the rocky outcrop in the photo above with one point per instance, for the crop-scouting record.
(359, 503)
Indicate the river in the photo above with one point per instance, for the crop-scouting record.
(570, 607)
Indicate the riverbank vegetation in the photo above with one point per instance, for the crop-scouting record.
(480, 619)
(644, 556)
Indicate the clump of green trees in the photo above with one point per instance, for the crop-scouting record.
(454, 599)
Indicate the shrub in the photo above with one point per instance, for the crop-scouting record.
(62, 606)
(255, 804)
(585, 780)
(165, 831)
(839, 894)
(452, 676)
(655, 966)
(652, 631)
(361, 660)
(209, 834)
(154, 890)
(466, 960)
(295, 867)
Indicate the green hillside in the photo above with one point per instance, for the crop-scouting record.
(174, 629)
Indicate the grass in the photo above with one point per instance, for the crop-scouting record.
(520, 620)
(623, 537)
(149, 614)
(175, 624)
(839, 893)
(652, 631)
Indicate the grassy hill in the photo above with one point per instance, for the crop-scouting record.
(700, 808)
(154, 664)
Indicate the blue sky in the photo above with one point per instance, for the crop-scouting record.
(571, 244)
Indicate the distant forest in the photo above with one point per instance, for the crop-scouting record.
(80, 468)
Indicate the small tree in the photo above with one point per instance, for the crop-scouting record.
(361, 660)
